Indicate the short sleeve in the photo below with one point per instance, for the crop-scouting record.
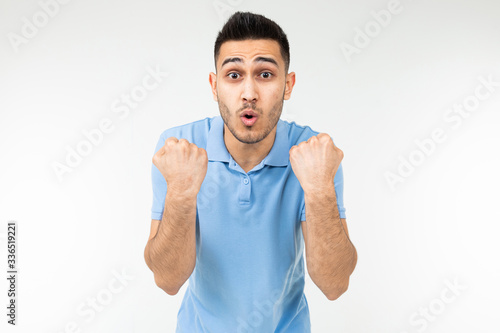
(159, 186)
(339, 192)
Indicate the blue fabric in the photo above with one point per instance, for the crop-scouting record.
(249, 273)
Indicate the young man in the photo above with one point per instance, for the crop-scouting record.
(247, 192)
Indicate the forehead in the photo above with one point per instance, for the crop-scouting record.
(250, 49)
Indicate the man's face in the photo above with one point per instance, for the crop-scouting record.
(251, 77)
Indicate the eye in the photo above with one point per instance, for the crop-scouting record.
(231, 75)
(268, 73)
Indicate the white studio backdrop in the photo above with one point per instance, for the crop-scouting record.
(409, 90)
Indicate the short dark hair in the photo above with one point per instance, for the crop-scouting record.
(247, 25)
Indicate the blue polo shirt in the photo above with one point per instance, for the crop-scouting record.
(249, 273)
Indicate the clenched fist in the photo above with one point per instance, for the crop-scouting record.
(315, 162)
(183, 165)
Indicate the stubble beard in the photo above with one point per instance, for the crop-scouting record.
(251, 135)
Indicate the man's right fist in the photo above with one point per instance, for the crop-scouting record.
(183, 165)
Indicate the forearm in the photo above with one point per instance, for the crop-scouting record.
(171, 254)
(331, 257)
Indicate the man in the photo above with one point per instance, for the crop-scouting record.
(247, 192)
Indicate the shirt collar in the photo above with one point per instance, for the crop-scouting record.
(217, 151)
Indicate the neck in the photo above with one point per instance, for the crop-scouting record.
(248, 155)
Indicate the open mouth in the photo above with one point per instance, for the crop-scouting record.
(249, 117)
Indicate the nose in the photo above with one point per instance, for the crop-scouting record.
(249, 93)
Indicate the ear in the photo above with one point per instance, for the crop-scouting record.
(212, 78)
(290, 82)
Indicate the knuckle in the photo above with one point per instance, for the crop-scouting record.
(184, 141)
(164, 150)
(156, 159)
(204, 159)
(324, 137)
(171, 139)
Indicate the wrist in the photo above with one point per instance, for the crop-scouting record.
(327, 191)
(179, 196)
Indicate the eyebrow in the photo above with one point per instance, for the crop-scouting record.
(259, 59)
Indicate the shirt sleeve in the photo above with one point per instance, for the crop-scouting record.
(339, 192)
(159, 186)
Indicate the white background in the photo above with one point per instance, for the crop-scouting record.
(437, 226)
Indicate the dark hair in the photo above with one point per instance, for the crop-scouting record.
(246, 25)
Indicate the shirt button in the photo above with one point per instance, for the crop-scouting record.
(245, 181)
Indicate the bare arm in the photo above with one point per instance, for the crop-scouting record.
(331, 256)
(171, 249)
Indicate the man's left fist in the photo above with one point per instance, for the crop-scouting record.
(315, 162)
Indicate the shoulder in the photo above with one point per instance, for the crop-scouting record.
(195, 132)
(296, 132)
